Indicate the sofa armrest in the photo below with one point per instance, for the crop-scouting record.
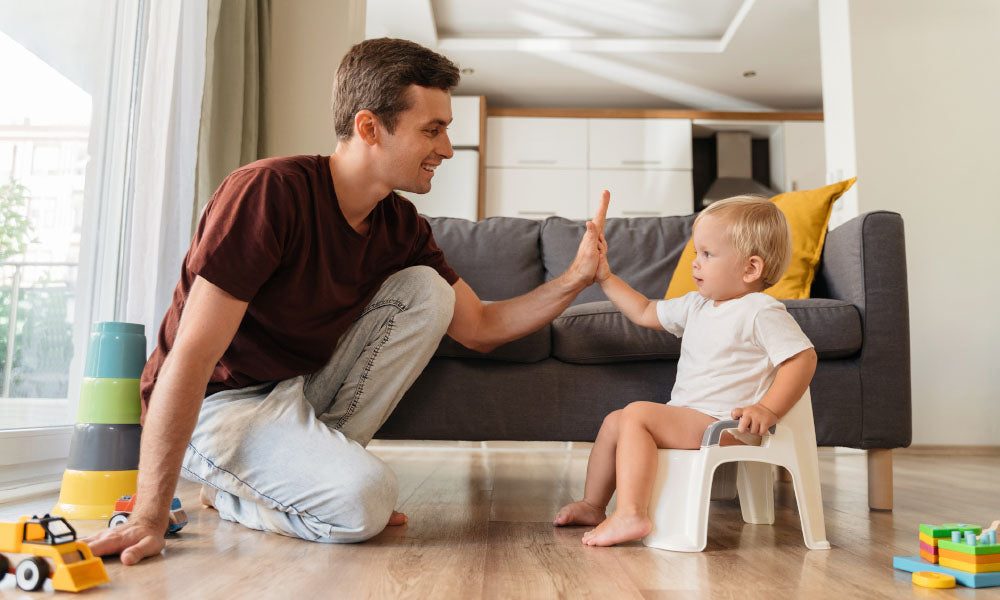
(864, 263)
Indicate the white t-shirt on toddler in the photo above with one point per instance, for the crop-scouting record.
(729, 353)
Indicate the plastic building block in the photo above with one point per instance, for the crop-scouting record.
(970, 548)
(931, 558)
(970, 558)
(969, 567)
(973, 580)
(930, 579)
(939, 531)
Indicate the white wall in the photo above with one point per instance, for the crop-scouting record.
(308, 40)
(926, 88)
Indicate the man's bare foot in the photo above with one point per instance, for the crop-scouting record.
(618, 528)
(397, 518)
(579, 513)
(207, 496)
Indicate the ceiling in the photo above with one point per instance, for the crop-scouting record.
(623, 54)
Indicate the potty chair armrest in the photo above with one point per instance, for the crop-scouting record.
(714, 431)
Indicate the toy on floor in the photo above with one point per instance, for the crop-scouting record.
(51, 538)
(126, 504)
(956, 550)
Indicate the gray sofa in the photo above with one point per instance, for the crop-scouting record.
(559, 382)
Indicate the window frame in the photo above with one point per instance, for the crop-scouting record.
(32, 458)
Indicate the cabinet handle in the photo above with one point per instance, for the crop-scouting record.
(641, 162)
(641, 213)
(536, 161)
(544, 213)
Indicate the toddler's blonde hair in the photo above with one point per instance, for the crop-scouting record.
(756, 227)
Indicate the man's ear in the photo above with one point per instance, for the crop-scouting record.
(366, 126)
(754, 269)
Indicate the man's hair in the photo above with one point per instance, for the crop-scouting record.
(755, 227)
(375, 75)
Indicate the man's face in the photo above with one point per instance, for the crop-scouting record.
(420, 142)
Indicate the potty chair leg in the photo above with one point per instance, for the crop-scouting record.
(755, 483)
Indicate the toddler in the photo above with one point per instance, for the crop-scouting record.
(742, 357)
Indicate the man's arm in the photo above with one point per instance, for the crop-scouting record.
(483, 327)
(210, 319)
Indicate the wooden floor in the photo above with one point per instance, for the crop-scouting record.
(480, 527)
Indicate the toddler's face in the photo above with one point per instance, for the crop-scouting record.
(717, 268)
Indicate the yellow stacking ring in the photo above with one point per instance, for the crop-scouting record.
(930, 579)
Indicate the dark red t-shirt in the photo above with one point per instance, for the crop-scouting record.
(273, 235)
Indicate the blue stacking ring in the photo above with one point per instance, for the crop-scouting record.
(116, 350)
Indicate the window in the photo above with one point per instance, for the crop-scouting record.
(70, 85)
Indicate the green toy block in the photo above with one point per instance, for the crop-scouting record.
(938, 531)
(963, 547)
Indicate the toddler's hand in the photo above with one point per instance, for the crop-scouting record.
(756, 418)
(603, 268)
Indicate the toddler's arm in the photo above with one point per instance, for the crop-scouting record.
(790, 382)
(636, 307)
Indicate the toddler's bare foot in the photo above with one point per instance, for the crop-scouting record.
(618, 528)
(579, 513)
(207, 496)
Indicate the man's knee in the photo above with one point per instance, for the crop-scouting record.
(434, 296)
(370, 499)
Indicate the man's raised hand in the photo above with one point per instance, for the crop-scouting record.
(588, 255)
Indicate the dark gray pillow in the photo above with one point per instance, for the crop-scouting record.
(498, 257)
(643, 251)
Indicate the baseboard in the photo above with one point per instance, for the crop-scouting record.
(947, 450)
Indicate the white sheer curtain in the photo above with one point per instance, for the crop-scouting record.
(163, 204)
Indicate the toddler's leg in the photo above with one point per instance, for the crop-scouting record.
(600, 483)
(644, 427)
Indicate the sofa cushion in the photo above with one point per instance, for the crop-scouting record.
(596, 333)
(498, 257)
(643, 251)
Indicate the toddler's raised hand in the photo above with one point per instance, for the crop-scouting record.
(603, 269)
(756, 418)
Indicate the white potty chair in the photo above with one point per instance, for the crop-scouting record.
(682, 490)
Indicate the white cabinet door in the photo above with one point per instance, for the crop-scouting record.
(640, 144)
(536, 142)
(536, 193)
(464, 128)
(641, 193)
(454, 188)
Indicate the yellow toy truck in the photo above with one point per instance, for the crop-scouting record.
(70, 563)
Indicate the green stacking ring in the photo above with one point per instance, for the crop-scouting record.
(109, 401)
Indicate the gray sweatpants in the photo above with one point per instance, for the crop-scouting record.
(290, 458)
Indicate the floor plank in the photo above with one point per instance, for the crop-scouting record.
(480, 527)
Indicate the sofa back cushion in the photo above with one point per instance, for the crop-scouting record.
(498, 257)
(643, 251)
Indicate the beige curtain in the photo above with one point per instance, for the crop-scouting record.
(231, 133)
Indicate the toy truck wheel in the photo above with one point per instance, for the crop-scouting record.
(4, 566)
(31, 573)
(117, 519)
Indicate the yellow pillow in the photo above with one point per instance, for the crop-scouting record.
(808, 214)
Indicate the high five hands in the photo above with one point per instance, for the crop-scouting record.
(590, 264)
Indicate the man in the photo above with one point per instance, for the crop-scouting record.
(311, 298)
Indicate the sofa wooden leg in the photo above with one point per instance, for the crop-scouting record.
(880, 479)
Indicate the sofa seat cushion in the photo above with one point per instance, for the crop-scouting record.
(596, 333)
(529, 349)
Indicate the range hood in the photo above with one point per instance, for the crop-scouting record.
(735, 168)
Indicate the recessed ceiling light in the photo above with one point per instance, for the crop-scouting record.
(749, 74)
(468, 71)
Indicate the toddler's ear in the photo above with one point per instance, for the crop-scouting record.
(754, 269)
